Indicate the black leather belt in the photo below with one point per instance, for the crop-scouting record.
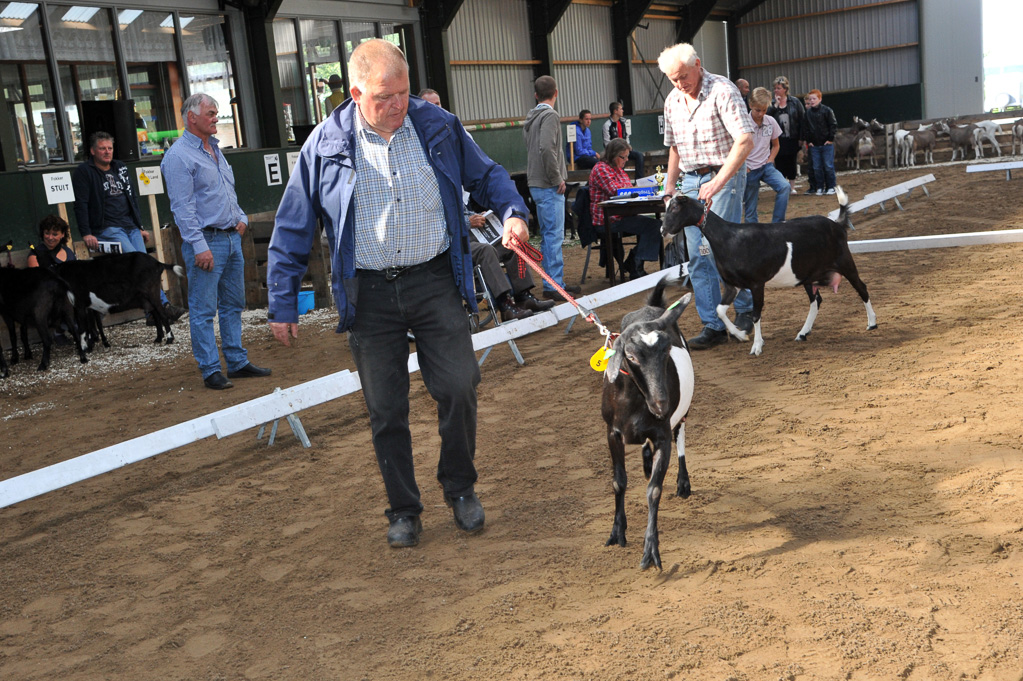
(704, 170)
(395, 271)
(214, 229)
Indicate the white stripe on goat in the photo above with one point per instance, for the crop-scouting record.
(784, 277)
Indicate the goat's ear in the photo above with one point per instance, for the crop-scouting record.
(675, 311)
(614, 364)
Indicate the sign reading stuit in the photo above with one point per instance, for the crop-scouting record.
(292, 161)
(150, 180)
(570, 135)
(58, 188)
(272, 164)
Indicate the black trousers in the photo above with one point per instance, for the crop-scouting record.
(425, 301)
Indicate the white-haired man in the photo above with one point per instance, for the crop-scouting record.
(709, 135)
(384, 175)
(200, 186)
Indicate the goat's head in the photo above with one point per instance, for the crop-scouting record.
(859, 123)
(644, 348)
(876, 126)
(680, 213)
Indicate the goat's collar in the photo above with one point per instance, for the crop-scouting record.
(703, 218)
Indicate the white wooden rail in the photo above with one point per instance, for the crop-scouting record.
(889, 194)
(1007, 166)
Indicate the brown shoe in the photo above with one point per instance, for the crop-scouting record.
(528, 301)
(510, 311)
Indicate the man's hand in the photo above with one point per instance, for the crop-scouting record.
(241, 227)
(204, 261)
(708, 190)
(476, 220)
(91, 242)
(561, 187)
(145, 236)
(515, 227)
(282, 331)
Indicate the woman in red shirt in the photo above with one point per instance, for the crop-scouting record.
(606, 178)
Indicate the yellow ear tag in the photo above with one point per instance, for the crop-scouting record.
(600, 357)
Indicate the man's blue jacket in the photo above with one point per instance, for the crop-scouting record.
(322, 186)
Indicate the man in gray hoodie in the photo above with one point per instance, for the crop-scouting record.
(546, 174)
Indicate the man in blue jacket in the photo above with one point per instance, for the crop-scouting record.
(585, 156)
(384, 174)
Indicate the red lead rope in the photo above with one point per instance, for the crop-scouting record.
(530, 256)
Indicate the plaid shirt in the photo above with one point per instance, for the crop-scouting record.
(705, 136)
(604, 183)
(399, 218)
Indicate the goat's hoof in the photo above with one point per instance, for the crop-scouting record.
(650, 557)
(42, 367)
(615, 539)
(872, 328)
(684, 489)
(801, 337)
(740, 335)
(83, 359)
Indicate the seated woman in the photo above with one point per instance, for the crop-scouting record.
(54, 236)
(606, 178)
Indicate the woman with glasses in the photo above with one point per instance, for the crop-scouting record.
(606, 178)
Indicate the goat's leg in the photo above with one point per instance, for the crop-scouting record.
(651, 542)
(847, 267)
(684, 487)
(24, 340)
(728, 294)
(13, 333)
(617, 446)
(758, 308)
(811, 317)
(43, 329)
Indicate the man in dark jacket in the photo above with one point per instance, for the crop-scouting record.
(384, 175)
(819, 127)
(105, 204)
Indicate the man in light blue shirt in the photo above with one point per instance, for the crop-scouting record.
(200, 185)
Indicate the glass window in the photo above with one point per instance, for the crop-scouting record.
(289, 69)
(84, 47)
(154, 79)
(210, 70)
(356, 33)
(26, 84)
(321, 61)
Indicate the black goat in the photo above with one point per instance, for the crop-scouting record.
(37, 297)
(123, 282)
(805, 251)
(648, 387)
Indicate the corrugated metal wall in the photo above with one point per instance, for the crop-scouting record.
(583, 86)
(798, 46)
(649, 86)
(491, 30)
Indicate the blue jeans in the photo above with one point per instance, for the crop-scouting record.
(776, 181)
(822, 161)
(550, 209)
(131, 242)
(426, 301)
(726, 204)
(221, 290)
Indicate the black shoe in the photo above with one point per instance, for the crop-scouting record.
(555, 296)
(250, 370)
(708, 338)
(510, 311)
(528, 301)
(573, 289)
(216, 381)
(744, 321)
(468, 512)
(404, 531)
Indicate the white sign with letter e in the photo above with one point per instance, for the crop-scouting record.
(272, 163)
(150, 180)
(570, 134)
(660, 125)
(58, 188)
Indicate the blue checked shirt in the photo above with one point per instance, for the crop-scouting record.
(200, 188)
(399, 217)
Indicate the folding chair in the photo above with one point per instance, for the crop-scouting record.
(477, 323)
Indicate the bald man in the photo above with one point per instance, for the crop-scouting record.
(384, 175)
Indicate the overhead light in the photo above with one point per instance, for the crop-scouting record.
(169, 21)
(18, 10)
(80, 15)
(8, 29)
(127, 16)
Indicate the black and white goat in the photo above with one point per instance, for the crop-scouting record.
(38, 298)
(648, 387)
(805, 252)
